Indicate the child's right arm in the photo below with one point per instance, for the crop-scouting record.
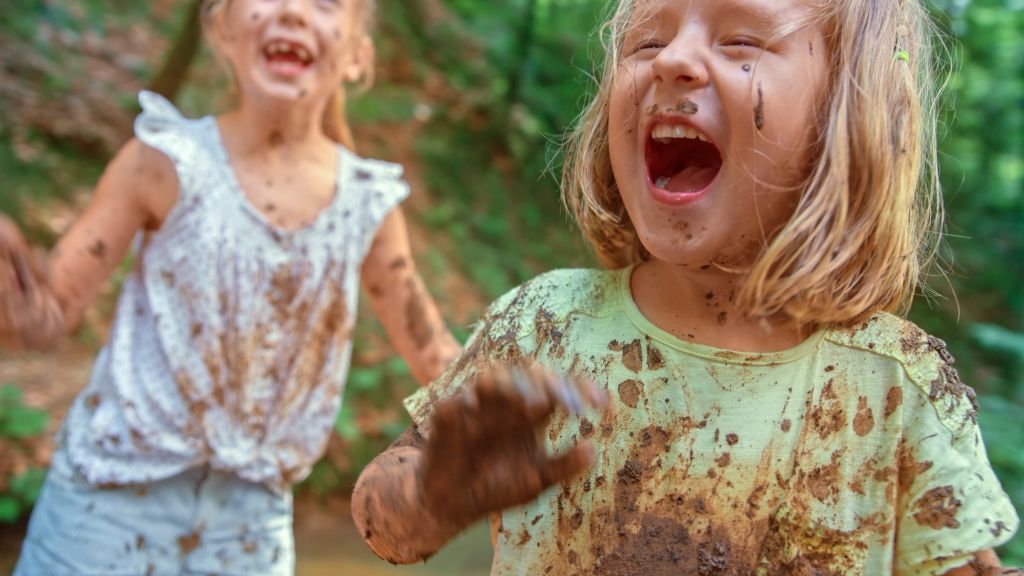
(482, 456)
(42, 302)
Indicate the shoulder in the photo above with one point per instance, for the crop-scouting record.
(369, 169)
(162, 127)
(142, 172)
(925, 360)
(561, 293)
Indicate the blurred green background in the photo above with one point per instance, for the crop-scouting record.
(473, 97)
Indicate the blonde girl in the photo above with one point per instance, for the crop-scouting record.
(225, 367)
(758, 176)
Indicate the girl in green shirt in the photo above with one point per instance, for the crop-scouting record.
(758, 177)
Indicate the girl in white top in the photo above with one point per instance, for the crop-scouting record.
(231, 343)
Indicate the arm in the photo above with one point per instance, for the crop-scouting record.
(483, 456)
(136, 191)
(985, 563)
(408, 313)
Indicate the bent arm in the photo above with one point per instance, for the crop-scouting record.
(401, 302)
(985, 563)
(389, 508)
(136, 192)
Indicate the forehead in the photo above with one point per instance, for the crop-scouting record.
(774, 13)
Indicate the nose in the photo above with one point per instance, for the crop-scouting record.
(294, 12)
(682, 62)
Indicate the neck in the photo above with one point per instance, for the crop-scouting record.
(700, 306)
(259, 126)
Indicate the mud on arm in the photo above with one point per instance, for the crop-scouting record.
(401, 302)
(484, 454)
(136, 191)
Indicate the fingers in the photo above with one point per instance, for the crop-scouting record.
(567, 466)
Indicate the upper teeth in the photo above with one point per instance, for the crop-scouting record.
(667, 132)
(282, 47)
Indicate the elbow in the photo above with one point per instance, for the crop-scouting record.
(376, 527)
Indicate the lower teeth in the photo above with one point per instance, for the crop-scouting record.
(662, 182)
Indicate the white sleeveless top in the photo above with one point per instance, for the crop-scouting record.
(232, 340)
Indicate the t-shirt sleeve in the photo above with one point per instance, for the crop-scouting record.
(950, 504)
(498, 339)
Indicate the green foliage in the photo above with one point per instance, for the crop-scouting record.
(19, 423)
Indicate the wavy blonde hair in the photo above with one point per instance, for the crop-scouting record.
(869, 218)
(335, 124)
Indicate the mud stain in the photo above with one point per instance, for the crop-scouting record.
(629, 392)
(759, 109)
(632, 354)
(937, 508)
(864, 421)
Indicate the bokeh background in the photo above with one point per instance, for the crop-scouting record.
(472, 97)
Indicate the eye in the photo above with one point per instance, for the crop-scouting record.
(744, 42)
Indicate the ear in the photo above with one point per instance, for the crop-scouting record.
(361, 61)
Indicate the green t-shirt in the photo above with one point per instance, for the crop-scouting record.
(856, 452)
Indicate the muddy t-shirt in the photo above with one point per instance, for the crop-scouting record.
(856, 452)
(232, 338)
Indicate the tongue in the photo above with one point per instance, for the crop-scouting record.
(691, 179)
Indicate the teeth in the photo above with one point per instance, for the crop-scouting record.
(281, 47)
(664, 132)
(662, 182)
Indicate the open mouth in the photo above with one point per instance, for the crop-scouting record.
(680, 159)
(288, 58)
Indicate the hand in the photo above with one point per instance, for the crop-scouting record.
(29, 314)
(485, 452)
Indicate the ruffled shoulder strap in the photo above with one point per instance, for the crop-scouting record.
(375, 188)
(163, 127)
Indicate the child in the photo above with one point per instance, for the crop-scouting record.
(229, 352)
(759, 176)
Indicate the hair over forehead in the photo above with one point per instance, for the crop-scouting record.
(365, 9)
(869, 217)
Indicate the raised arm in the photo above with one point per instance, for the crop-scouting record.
(483, 456)
(406, 310)
(136, 192)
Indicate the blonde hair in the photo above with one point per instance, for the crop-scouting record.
(869, 217)
(335, 124)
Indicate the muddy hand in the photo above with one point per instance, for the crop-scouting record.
(486, 451)
(29, 314)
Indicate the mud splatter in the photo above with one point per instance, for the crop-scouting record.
(189, 542)
(654, 359)
(722, 319)
(98, 249)
(398, 264)
(823, 481)
(828, 417)
(632, 354)
(276, 139)
(418, 324)
(864, 421)
(786, 424)
(723, 460)
(629, 392)
(893, 400)
(937, 508)
(732, 439)
(688, 107)
(759, 109)
(586, 428)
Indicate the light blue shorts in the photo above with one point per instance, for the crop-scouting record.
(199, 522)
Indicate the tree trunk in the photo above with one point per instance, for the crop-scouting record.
(174, 70)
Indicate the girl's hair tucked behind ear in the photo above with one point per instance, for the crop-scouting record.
(335, 124)
(869, 218)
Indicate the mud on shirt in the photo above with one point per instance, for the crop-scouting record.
(856, 452)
